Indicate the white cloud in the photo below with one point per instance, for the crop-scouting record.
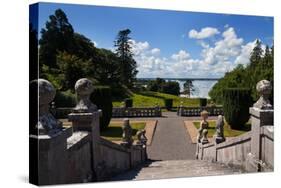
(139, 47)
(155, 51)
(204, 33)
(223, 50)
(181, 55)
(95, 43)
(217, 57)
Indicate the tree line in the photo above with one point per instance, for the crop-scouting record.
(246, 76)
(65, 56)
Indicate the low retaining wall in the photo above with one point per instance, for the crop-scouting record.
(117, 159)
(252, 151)
(195, 111)
(62, 113)
(136, 112)
(80, 155)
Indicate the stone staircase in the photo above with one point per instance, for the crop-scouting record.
(175, 169)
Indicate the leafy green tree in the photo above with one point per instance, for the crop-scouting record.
(128, 65)
(105, 67)
(156, 85)
(56, 36)
(260, 67)
(72, 69)
(171, 87)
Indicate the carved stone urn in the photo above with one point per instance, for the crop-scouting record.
(264, 89)
(83, 88)
(47, 124)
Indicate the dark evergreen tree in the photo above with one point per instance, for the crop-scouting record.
(256, 54)
(236, 106)
(56, 36)
(188, 87)
(128, 65)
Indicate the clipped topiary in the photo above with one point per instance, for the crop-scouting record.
(101, 97)
(236, 103)
(128, 102)
(168, 103)
(203, 102)
(65, 99)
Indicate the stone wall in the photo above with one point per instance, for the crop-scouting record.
(252, 151)
(117, 159)
(76, 154)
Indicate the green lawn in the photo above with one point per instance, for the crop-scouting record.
(114, 130)
(149, 99)
(228, 132)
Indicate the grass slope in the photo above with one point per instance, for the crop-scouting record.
(114, 130)
(228, 132)
(150, 98)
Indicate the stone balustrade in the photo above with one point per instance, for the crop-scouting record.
(77, 153)
(252, 151)
(136, 112)
(195, 111)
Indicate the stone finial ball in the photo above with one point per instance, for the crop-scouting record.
(126, 121)
(47, 91)
(264, 87)
(204, 113)
(84, 86)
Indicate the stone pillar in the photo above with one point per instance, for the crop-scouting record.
(86, 117)
(50, 142)
(261, 115)
(52, 157)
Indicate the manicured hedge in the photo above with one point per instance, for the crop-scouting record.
(128, 102)
(65, 99)
(202, 102)
(101, 97)
(168, 103)
(236, 103)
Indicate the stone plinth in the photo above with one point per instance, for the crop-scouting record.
(259, 118)
(51, 156)
(89, 121)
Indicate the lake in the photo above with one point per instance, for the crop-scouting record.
(202, 87)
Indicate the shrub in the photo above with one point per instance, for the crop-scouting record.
(202, 102)
(236, 103)
(65, 99)
(128, 102)
(168, 103)
(101, 97)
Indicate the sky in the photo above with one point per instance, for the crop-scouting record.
(171, 44)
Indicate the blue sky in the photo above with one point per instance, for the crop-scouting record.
(171, 43)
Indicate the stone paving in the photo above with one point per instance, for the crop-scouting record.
(172, 153)
(170, 141)
(176, 169)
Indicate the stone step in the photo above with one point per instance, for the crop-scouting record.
(177, 168)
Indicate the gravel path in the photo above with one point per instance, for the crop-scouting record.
(170, 141)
